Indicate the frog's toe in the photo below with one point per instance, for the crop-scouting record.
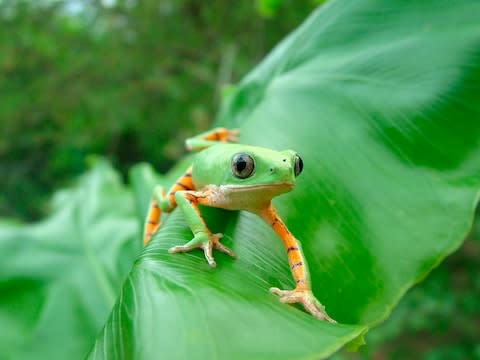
(182, 248)
(285, 296)
(233, 135)
(208, 252)
(207, 243)
(220, 247)
(195, 243)
(304, 297)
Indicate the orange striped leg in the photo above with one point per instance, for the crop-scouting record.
(152, 222)
(160, 203)
(302, 292)
(212, 137)
(202, 236)
(183, 183)
(221, 134)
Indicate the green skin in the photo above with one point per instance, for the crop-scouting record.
(272, 176)
(217, 186)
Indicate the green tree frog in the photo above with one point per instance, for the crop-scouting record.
(236, 177)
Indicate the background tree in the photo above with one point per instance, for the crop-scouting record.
(125, 79)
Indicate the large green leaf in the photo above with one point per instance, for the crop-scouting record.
(382, 100)
(59, 278)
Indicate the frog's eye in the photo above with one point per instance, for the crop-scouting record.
(242, 165)
(298, 167)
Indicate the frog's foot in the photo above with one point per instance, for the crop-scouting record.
(306, 298)
(206, 242)
(232, 135)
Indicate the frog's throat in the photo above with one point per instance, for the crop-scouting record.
(245, 197)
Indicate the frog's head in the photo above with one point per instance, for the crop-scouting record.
(254, 166)
(239, 165)
(250, 175)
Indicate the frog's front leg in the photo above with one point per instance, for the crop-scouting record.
(202, 237)
(298, 265)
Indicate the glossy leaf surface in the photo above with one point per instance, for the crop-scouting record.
(382, 101)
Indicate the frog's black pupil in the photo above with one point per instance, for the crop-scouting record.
(241, 164)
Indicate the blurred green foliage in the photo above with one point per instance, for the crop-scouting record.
(112, 77)
(60, 277)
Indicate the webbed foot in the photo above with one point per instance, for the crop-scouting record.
(206, 242)
(306, 298)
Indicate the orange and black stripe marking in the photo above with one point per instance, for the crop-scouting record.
(183, 183)
(220, 134)
(152, 223)
(294, 254)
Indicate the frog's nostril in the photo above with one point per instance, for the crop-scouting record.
(284, 160)
(271, 169)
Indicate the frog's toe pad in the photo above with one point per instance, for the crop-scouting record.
(304, 297)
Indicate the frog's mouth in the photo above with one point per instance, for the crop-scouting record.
(286, 186)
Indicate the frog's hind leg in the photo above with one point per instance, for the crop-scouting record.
(303, 292)
(211, 137)
(202, 236)
(152, 222)
(161, 202)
